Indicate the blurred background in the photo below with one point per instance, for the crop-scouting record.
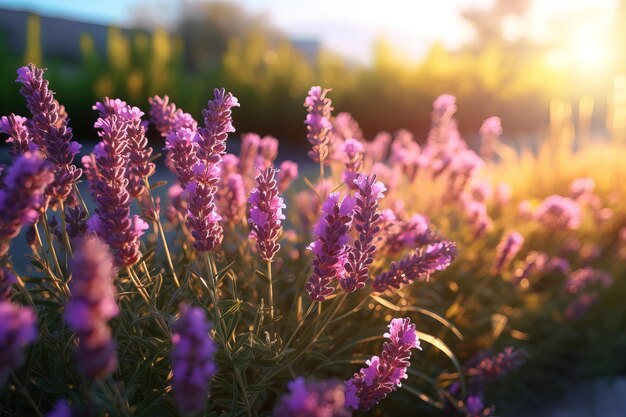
(526, 61)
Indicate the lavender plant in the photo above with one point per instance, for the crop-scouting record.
(209, 306)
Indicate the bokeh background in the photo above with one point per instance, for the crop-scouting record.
(526, 61)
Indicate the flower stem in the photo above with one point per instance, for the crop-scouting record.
(271, 291)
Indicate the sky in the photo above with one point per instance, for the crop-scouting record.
(350, 26)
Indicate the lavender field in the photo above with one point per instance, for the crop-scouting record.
(393, 279)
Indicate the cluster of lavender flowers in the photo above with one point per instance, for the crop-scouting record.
(383, 374)
(558, 212)
(313, 399)
(484, 370)
(49, 131)
(16, 127)
(584, 285)
(92, 306)
(22, 195)
(192, 359)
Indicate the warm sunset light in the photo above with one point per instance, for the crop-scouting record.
(330, 208)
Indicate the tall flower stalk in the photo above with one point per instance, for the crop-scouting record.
(92, 306)
(50, 131)
(266, 216)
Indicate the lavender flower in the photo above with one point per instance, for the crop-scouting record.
(490, 132)
(50, 131)
(217, 125)
(508, 247)
(582, 188)
(383, 374)
(167, 118)
(579, 306)
(491, 369)
(367, 217)
(329, 247)
(416, 266)
(344, 127)
(182, 152)
(76, 221)
(18, 329)
(378, 149)
(112, 220)
(19, 138)
(287, 173)
(7, 279)
(92, 306)
(353, 159)
(557, 212)
(61, 409)
(312, 399)
(406, 153)
(192, 359)
(250, 143)
(266, 214)
(534, 262)
(233, 200)
(202, 218)
(267, 153)
(22, 196)
(318, 122)
(586, 277)
(140, 167)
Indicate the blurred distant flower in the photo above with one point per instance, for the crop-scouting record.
(508, 247)
(490, 132)
(405, 153)
(22, 195)
(366, 223)
(345, 127)
(582, 188)
(50, 131)
(287, 173)
(250, 143)
(62, 409)
(353, 159)
(579, 305)
(585, 277)
(312, 399)
(233, 201)
(559, 212)
(379, 147)
(18, 329)
(416, 266)
(481, 191)
(383, 374)
(535, 262)
(266, 214)
(19, 137)
(503, 193)
(92, 306)
(329, 247)
(192, 359)
(7, 279)
(318, 122)
(267, 152)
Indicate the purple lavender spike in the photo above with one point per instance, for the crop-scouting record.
(383, 374)
(266, 214)
(92, 306)
(367, 219)
(192, 359)
(50, 131)
(22, 196)
(416, 266)
(18, 329)
(329, 248)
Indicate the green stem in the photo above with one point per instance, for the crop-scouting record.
(26, 395)
(271, 291)
(167, 254)
(66, 238)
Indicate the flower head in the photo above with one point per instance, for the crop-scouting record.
(383, 374)
(192, 359)
(318, 122)
(312, 399)
(266, 214)
(18, 329)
